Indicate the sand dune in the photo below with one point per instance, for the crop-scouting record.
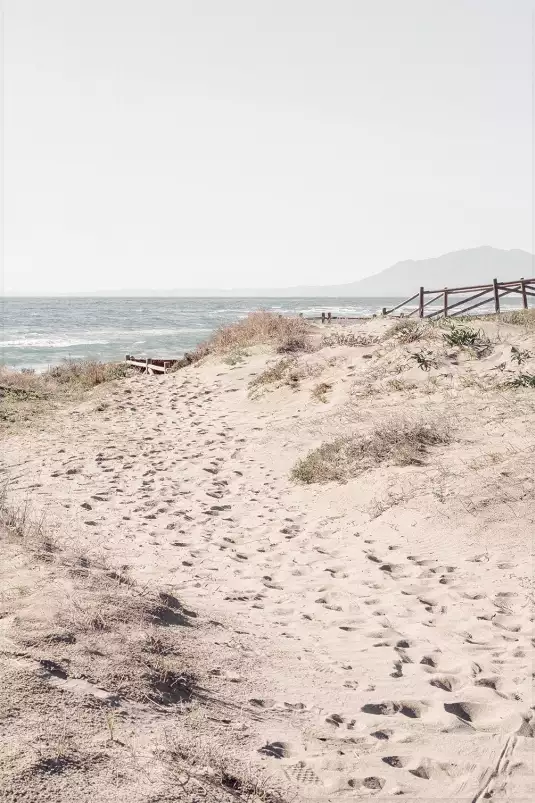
(372, 637)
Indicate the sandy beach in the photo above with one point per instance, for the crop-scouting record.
(358, 624)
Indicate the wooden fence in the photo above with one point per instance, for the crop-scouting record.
(484, 292)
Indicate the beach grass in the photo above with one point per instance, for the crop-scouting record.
(285, 332)
(400, 441)
(26, 393)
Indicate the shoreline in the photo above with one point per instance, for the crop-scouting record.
(107, 329)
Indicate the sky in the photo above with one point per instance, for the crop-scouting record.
(259, 143)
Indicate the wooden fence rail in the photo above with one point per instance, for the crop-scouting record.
(484, 292)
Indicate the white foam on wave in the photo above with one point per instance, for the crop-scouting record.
(49, 343)
(354, 312)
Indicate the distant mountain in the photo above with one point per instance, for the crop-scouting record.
(456, 269)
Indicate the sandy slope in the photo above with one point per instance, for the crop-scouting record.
(370, 639)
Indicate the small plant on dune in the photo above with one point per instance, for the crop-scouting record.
(522, 381)
(425, 360)
(520, 317)
(87, 373)
(466, 337)
(320, 391)
(293, 344)
(22, 384)
(235, 357)
(520, 355)
(400, 385)
(283, 372)
(401, 441)
(26, 393)
(405, 331)
(352, 339)
(461, 336)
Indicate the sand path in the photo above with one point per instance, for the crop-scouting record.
(366, 656)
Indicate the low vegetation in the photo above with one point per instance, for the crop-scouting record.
(406, 330)
(348, 339)
(284, 372)
(286, 333)
(86, 373)
(425, 359)
(519, 355)
(235, 357)
(402, 442)
(521, 381)
(467, 337)
(293, 344)
(26, 393)
(138, 658)
(320, 391)
(520, 317)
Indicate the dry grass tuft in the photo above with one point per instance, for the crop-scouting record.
(400, 385)
(348, 339)
(521, 317)
(284, 372)
(294, 344)
(100, 625)
(83, 641)
(320, 391)
(87, 373)
(407, 331)
(287, 333)
(203, 766)
(25, 393)
(235, 357)
(401, 441)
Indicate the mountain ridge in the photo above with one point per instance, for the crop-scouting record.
(478, 265)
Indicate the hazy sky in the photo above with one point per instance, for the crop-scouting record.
(224, 143)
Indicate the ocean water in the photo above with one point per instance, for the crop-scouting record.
(40, 332)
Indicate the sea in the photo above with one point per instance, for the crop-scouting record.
(36, 333)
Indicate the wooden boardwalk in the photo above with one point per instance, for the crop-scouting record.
(149, 365)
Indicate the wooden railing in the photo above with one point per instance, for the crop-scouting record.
(484, 292)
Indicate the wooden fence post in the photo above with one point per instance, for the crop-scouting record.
(445, 302)
(496, 296)
(329, 316)
(323, 317)
(384, 310)
(524, 294)
(421, 303)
